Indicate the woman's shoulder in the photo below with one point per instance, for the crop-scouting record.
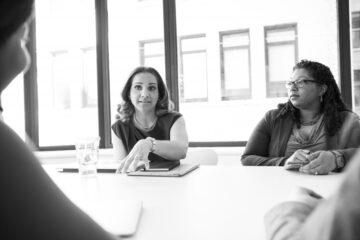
(272, 114)
(120, 124)
(349, 116)
(171, 115)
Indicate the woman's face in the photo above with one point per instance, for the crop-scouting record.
(144, 93)
(307, 96)
(14, 56)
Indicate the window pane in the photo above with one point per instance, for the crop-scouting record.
(236, 64)
(355, 58)
(237, 39)
(233, 107)
(66, 71)
(192, 71)
(281, 61)
(12, 101)
(153, 55)
(135, 38)
(281, 45)
(194, 81)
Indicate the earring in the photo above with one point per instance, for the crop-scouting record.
(321, 98)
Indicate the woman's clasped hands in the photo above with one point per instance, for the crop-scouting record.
(137, 158)
(319, 162)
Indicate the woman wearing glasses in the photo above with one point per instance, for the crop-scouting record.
(314, 132)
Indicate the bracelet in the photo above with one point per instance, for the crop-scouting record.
(153, 144)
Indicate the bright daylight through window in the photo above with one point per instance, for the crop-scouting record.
(233, 58)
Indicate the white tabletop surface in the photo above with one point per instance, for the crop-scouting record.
(213, 202)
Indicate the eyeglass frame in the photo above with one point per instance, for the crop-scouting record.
(299, 83)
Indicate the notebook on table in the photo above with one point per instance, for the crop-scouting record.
(178, 171)
(161, 166)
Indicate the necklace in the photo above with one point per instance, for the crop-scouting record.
(152, 125)
(311, 122)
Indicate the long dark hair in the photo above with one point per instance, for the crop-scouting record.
(126, 109)
(332, 103)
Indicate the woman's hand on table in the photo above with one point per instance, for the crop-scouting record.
(320, 162)
(297, 160)
(137, 157)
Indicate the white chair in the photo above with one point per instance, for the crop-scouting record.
(201, 156)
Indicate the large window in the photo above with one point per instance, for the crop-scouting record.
(235, 65)
(67, 73)
(224, 61)
(246, 69)
(281, 56)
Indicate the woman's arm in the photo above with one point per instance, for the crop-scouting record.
(118, 147)
(257, 148)
(176, 147)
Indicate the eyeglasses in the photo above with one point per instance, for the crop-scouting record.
(299, 83)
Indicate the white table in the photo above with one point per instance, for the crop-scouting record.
(213, 202)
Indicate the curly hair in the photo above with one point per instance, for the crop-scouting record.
(332, 103)
(126, 109)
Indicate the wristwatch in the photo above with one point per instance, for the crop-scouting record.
(339, 159)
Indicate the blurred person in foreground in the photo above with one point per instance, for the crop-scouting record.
(147, 129)
(307, 216)
(32, 206)
(314, 132)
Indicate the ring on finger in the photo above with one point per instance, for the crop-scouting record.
(316, 173)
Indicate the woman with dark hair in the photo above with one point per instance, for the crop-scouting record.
(32, 206)
(147, 127)
(314, 132)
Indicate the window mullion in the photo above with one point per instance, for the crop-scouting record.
(103, 73)
(170, 44)
(344, 52)
(31, 93)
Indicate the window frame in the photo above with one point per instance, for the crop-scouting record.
(142, 49)
(234, 94)
(279, 84)
(181, 70)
